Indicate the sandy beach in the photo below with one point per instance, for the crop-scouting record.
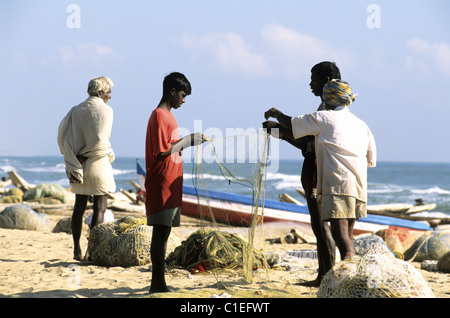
(40, 265)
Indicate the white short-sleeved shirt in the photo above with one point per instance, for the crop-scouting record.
(345, 147)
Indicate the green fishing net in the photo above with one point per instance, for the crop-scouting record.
(44, 192)
(242, 159)
(125, 242)
(209, 249)
(22, 217)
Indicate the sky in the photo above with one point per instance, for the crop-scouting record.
(241, 56)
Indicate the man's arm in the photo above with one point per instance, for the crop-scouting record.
(285, 134)
(371, 152)
(283, 119)
(185, 142)
(300, 143)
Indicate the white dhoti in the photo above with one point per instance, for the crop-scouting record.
(85, 131)
(98, 178)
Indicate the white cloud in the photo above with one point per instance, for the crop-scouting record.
(428, 55)
(289, 41)
(280, 50)
(85, 52)
(228, 50)
(297, 52)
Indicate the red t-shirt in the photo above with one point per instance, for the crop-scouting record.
(164, 176)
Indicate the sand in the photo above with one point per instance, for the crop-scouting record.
(40, 264)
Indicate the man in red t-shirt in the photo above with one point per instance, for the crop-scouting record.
(164, 175)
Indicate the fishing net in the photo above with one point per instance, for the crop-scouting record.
(429, 246)
(292, 259)
(443, 264)
(64, 226)
(46, 193)
(22, 217)
(243, 160)
(208, 250)
(125, 242)
(13, 195)
(375, 274)
(399, 240)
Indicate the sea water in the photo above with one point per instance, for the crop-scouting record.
(389, 182)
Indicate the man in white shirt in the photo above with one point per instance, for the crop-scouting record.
(84, 140)
(345, 147)
(321, 73)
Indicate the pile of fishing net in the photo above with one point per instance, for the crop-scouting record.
(377, 273)
(399, 240)
(125, 242)
(209, 249)
(47, 193)
(431, 245)
(292, 260)
(22, 217)
(443, 265)
(13, 195)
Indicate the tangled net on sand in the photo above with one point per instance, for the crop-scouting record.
(375, 274)
(13, 195)
(125, 242)
(22, 217)
(443, 264)
(431, 245)
(399, 240)
(46, 193)
(208, 249)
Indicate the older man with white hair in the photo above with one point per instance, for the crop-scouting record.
(84, 140)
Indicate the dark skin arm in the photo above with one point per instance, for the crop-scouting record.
(284, 127)
(188, 141)
(72, 179)
(285, 134)
(283, 119)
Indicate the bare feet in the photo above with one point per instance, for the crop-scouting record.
(77, 254)
(312, 283)
(159, 289)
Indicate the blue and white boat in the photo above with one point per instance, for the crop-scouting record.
(237, 210)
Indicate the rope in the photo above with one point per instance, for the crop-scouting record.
(256, 183)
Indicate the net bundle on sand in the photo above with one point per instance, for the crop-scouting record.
(431, 245)
(22, 217)
(209, 249)
(375, 274)
(46, 193)
(125, 242)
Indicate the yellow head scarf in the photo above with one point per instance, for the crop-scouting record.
(338, 93)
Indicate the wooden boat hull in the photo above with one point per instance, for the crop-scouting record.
(400, 208)
(234, 209)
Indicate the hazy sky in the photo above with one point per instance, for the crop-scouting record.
(241, 57)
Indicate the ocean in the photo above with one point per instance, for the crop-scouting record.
(389, 182)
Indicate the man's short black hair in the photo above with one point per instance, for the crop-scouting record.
(176, 81)
(326, 69)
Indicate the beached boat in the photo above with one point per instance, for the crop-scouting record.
(236, 209)
(389, 209)
(399, 208)
(403, 211)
